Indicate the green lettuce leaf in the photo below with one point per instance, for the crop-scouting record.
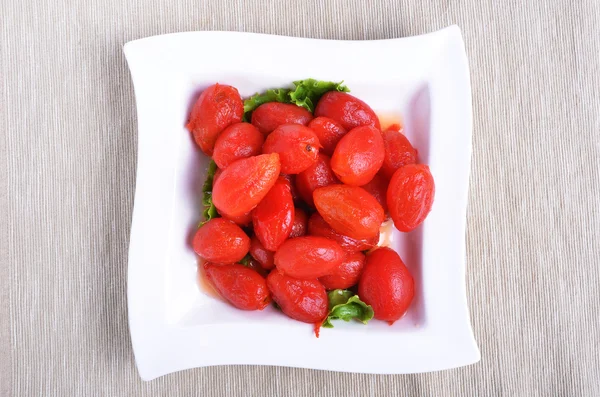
(339, 297)
(344, 305)
(245, 260)
(210, 211)
(308, 92)
(274, 95)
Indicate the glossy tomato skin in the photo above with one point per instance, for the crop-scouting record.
(241, 220)
(243, 184)
(317, 175)
(358, 156)
(236, 142)
(398, 151)
(347, 110)
(378, 189)
(291, 180)
(262, 255)
(410, 196)
(346, 274)
(217, 107)
(329, 133)
(244, 288)
(386, 285)
(302, 300)
(318, 227)
(297, 146)
(349, 210)
(257, 267)
(273, 217)
(269, 116)
(218, 173)
(221, 241)
(300, 225)
(308, 257)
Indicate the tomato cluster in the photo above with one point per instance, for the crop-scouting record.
(302, 197)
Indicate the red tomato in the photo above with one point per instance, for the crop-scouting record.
(386, 285)
(243, 184)
(241, 220)
(358, 156)
(317, 175)
(300, 223)
(329, 133)
(348, 111)
(302, 300)
(257, 267)
(263, 256)
(410, 196)
(318, 227)
(217, 175)
(271, 115)
(236, 142)
(273, 217)
(291, 180)
(217, 107)
(378, 189)
(346, 274)
(398, 151)
(297, 145)
(349, 210)
(244, 288)
(308, 257)
(221, 241)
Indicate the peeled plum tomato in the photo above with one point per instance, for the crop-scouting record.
(291, 179)
(318, 227)
(257, 267)
(410, 196)
(262, 255)
(236, 142)
(398, 151)
(217, 107)
(242, 220)
(349, 210)
(300, 223)
(317, 175)
(358, 156)
(218, 173)
(271, 115)
(329, 133)
(302, 300)
(308, 257)
(348, 111)
(297, 145)
(386, 284)
(273, 217)
(221, 241)
(244, 288)
(243, 184)
(346, 274)
(378, 189)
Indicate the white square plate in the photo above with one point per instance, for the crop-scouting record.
(174, 324)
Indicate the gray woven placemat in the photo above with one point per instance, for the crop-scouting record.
(67, 180)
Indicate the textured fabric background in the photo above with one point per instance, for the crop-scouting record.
(67, 177)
